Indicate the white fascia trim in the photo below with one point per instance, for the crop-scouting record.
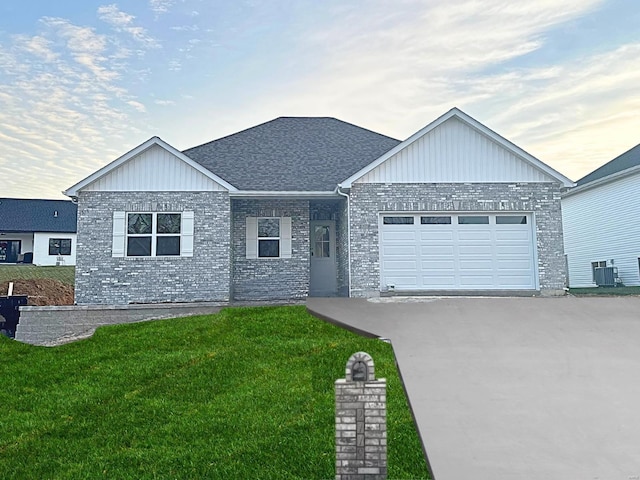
(283, 194)
(603, 181)
(73, 191)
(473, 123)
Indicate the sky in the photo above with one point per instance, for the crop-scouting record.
(82, 83)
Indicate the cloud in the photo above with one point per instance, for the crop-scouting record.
(63, 107)
(160, 7)
(164, 103)
(394, 68)
(123, 22)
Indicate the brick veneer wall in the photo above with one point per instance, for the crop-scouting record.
(368, 200)
(271, 278)
(361, 424)
(103, 279)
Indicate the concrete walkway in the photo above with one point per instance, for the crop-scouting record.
(515, 388)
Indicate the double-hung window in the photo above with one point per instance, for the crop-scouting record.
(59, 246)
(152, 234)
(268, 237)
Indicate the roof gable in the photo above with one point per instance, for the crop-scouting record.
(294, 154)
(456, 148)
(628, 160)
(29, 215)
(152, 166)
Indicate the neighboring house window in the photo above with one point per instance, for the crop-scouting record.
(595, 265)
(59, 246)
(152, 234)
(268, 237)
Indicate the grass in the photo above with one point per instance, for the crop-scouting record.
(247, 393)
(65, 274)
(611, 291)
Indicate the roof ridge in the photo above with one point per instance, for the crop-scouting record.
(283, 118)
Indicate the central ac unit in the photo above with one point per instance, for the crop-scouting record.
(607, 276)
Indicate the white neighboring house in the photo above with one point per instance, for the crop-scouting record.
(600, 219)
(42, 232)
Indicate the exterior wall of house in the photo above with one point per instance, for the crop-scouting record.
(104, 279)
(41, 249)
(271, 278)
(369, 200)
(601, 224)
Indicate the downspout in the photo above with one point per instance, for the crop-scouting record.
(346, 195)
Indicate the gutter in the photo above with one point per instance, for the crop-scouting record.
(302, 195)
(346, 195)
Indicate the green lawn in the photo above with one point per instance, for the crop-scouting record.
(605, 291)
(65, 274)
(247, 393)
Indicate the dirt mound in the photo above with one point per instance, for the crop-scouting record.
(41, 291)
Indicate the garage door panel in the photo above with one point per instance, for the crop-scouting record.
(437, 250)
(439, 281)
(398, 236)
(513, 250)
(434, 264)
(476, 264)
(404, 250)
(458, 256)
(408, 265)
(514, 264)
(477, 281)
(404, 282)
(474, 233)
(436, 235)
(522, 281)
(512, 235)
(476, 250)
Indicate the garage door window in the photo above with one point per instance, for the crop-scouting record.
(473, 220)
(511, 219)
(435, 220)
(397, 220)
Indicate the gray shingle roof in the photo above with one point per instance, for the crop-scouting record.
(292, 154)
(628, 159)
(26, 215)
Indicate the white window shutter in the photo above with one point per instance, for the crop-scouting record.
(285, 237)
(252, 237)
(186, 235)
(119, 226)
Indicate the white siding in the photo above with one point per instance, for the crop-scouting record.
(602, 224)
(41, 248)
(154, 170)
(454, 152)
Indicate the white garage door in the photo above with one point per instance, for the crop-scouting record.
(460, 251)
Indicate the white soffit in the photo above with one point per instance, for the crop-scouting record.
(455, 148)
(152, 166)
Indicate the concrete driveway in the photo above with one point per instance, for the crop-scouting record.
(515, 388)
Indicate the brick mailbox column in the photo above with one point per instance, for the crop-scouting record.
(361, 422)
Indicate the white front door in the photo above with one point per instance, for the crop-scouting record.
(323, 272)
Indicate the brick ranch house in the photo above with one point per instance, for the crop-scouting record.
(316, 206)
